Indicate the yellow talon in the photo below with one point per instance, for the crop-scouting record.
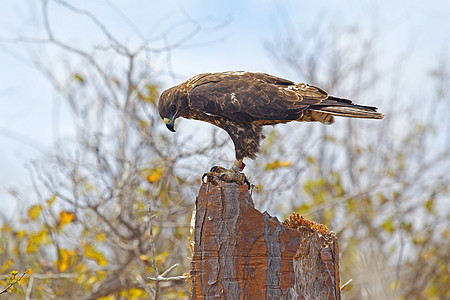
(217, 174)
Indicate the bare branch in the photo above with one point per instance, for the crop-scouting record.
(163, 277)
(345, 284)
(110, 37)
(146, 287)
(45, 276)
(173, 278)
(152, 245)
(169, 269)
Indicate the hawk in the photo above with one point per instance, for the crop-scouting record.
(241, 103)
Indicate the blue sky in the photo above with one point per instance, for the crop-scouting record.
(27, 102)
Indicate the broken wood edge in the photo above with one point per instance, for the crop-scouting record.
(328, 253)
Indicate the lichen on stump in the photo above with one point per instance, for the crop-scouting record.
(241, 253)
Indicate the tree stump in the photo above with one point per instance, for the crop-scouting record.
(241, 253)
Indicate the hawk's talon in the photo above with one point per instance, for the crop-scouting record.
(203, 177)
(218, 173)
(247, 182)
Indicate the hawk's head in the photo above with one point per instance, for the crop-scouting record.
(170, 105)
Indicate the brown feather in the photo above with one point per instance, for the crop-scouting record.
(242, 102)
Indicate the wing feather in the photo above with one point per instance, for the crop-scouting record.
(252, 96)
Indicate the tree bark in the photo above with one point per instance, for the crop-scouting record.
(241, 253)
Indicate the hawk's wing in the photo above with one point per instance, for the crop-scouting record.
(247, 96)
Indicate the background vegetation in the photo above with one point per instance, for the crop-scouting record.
(112, 205)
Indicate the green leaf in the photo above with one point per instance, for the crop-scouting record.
(277, 164)
(96, 255)
(78, 77)
(429, 205)
(389, 226)
(34, 212)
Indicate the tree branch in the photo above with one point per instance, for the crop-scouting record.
(13, 283)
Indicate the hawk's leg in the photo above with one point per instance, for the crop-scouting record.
(234, 174)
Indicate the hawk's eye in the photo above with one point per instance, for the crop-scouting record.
(172, 108)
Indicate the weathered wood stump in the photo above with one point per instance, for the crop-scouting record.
(241, 253)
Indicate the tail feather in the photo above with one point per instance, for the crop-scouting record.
(351, 112)
(345, 108)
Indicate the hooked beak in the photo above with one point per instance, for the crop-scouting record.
(170, 123)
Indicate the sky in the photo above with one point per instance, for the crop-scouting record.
(27, 102)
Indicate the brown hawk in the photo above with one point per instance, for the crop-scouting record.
(242, 102)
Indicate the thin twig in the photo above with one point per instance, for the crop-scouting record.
(345, 284)
(29, 288)
(14, 282)
(45, 276)
(160, 278)
(146, 287)
(163, 278)
(169, 269)
(152, 242)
